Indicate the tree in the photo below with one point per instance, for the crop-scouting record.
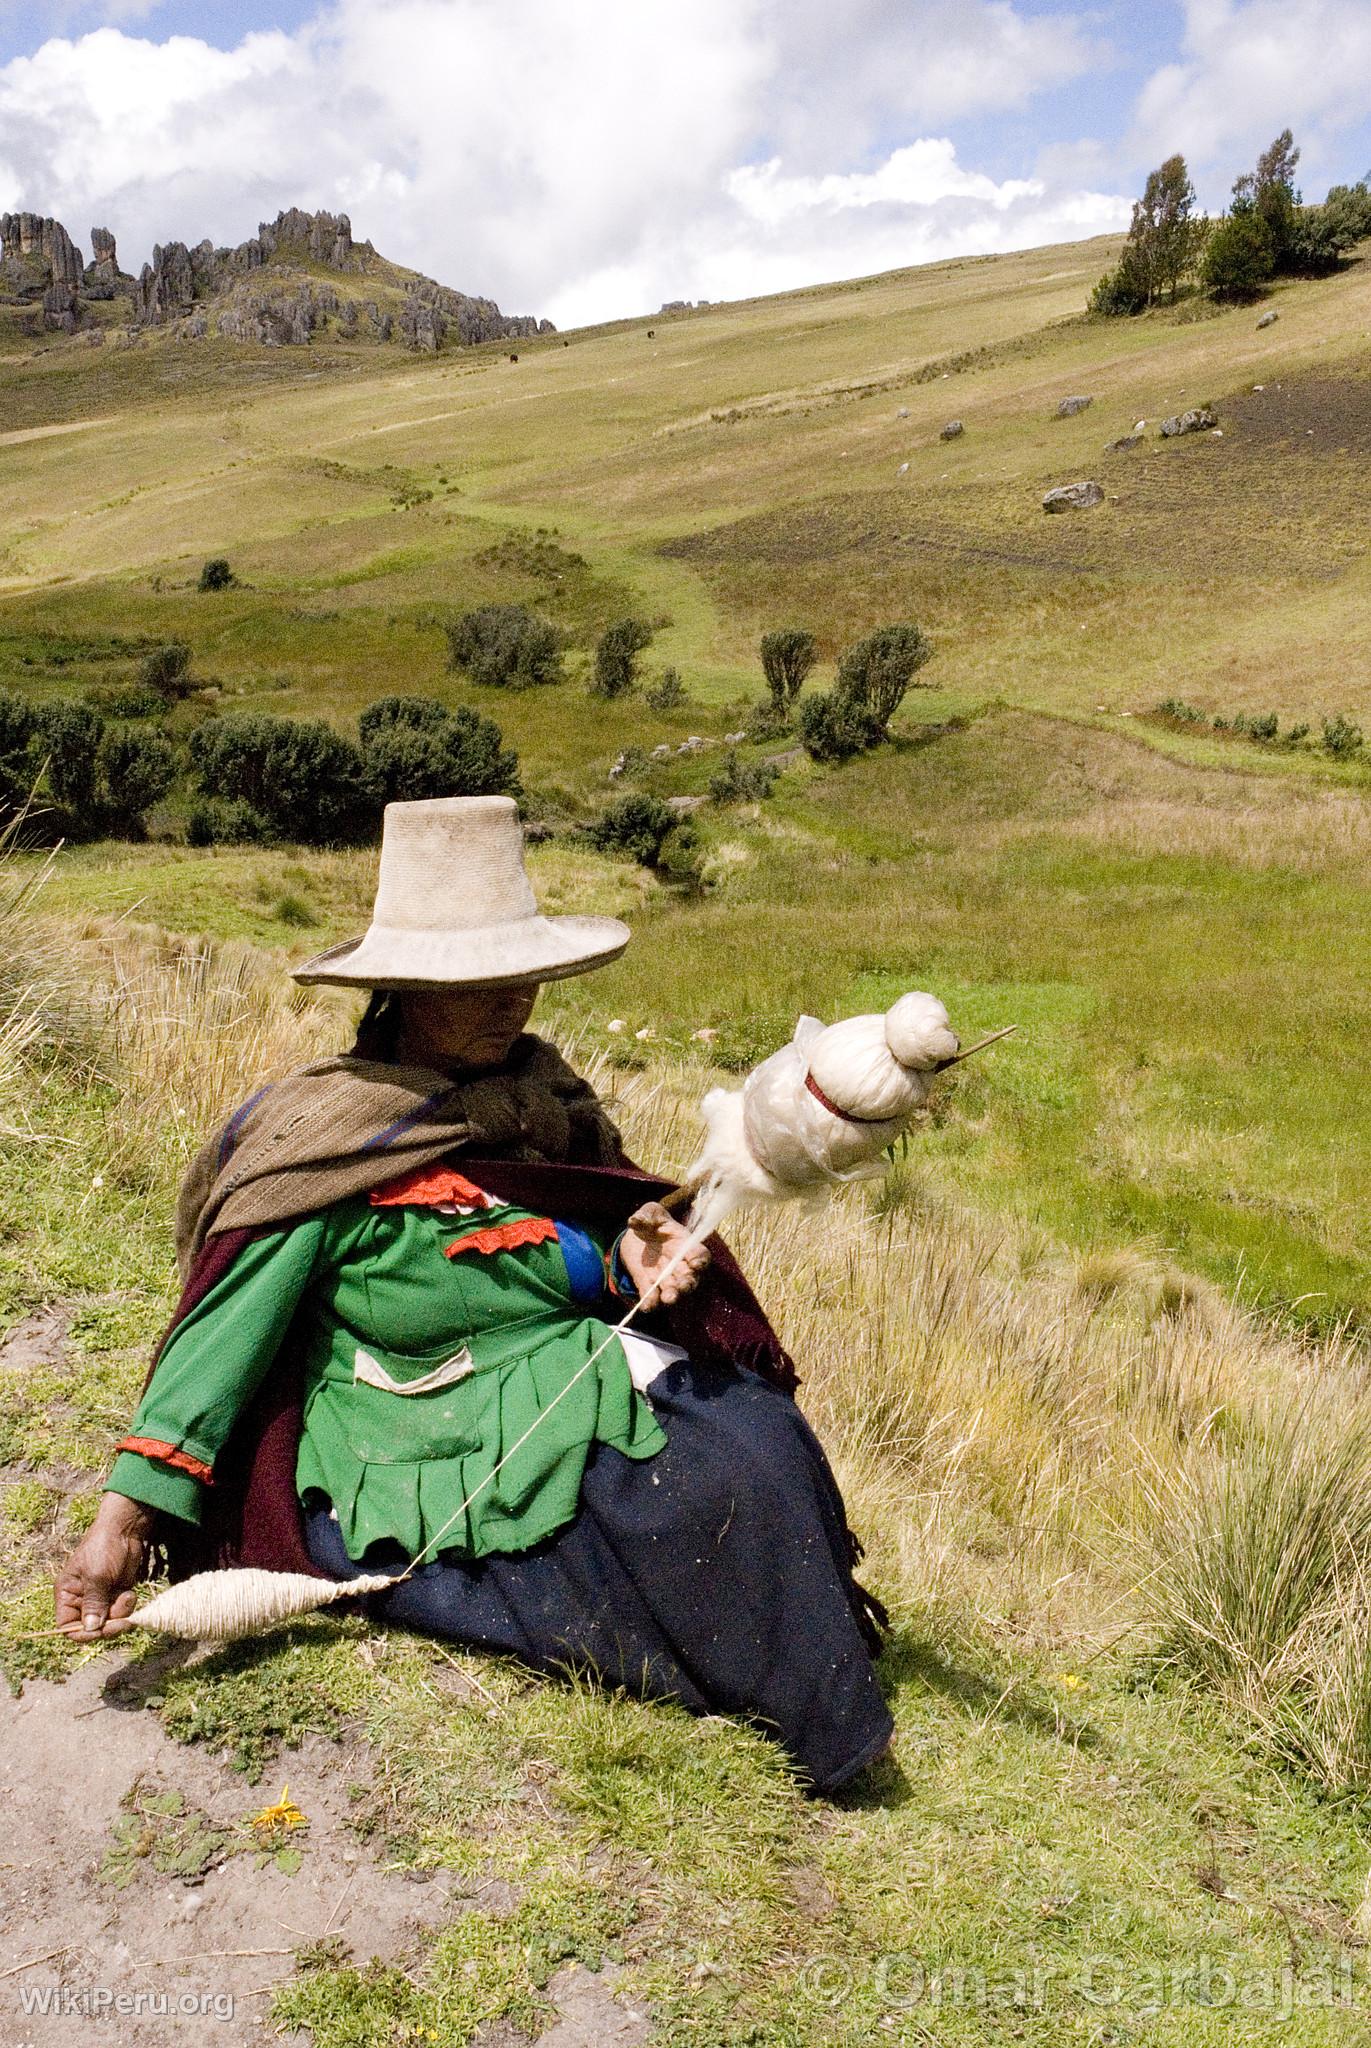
(788, 655)
(134, 771)
(876, 672)
(1164, 241)
(616, 657)
(1239, 259)
(303, 779)
(1269, 192)
(167, 671)
(505, 646)
(834, 726)
(1324, 234)
(216, 574)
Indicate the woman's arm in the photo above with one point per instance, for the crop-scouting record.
(210, 1367)
(647, 1246)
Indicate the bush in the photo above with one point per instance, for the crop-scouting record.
(876, 673)
(616, 657)
(303, 779)
(460, 753)
(788, 655)
(213, 823)
(742, 782)
(505, 646)
(1341, 737)
(1181, 711)
(216, 574)
(667, 692)
(18, 724)
(1240, 257)
(1120, 291)
(834, 726)
(388, 715)
(69, 736)
(767, 721)
(635, 824)
(134, 770)
(125, 700)
(167, 671)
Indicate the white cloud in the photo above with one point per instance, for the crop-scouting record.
(580, 158)
(1250, 68)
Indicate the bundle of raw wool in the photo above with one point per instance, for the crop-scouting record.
(823, 1110)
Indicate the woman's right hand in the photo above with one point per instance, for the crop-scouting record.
(94, 1590)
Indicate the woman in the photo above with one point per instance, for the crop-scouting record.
(401, 1265)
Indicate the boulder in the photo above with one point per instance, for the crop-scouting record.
(954, 430)
(1074, 497)
(1123, 444)
(1069, 407)
(1269, 318)
(1198, 420)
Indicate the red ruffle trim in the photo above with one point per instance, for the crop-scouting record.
(428, 1187)
(168, 1454)
(504, 1237)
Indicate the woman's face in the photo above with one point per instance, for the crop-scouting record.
(475, 1026)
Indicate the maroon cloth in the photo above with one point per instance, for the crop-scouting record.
(252, 1514)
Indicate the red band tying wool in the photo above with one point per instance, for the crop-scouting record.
(168, 1454)
(429, 1187)
(504, 1237)
(846, 1114)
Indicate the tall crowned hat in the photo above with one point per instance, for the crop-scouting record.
(454, 908)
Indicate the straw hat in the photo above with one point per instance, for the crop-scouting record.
(454, 908)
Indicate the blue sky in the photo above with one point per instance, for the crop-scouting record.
(587, 158)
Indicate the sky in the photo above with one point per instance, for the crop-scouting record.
(590, 159)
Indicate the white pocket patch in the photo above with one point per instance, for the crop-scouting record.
(370, 1370)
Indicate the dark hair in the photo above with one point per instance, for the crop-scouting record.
(378, 1027)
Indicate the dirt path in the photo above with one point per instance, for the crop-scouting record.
(18, 434)
(72, 1934)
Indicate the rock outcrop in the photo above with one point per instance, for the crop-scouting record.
(1069, 407)
(42, 248)
(1074, 497)
(1198, 420)
(103, 277)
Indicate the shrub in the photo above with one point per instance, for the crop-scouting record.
(833, 726)
(667, 692)
(69, 736)
(400, 714)
(788, 655)
(125, 700)
(1240, 257)
(505, 646)
(213, 823)
(636, 824)
(1181, 711)
(303, 779)
(460, 753)
(741, 782)
(216, 574)
(18, 724)
(167, 671)
(135, 770)
(1120, 291)
(877, 672)
(616, 657)
(767, 721)
(1341, 737)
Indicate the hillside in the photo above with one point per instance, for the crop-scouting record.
(1091, 1364)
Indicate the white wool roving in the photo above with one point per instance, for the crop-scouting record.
(823, 1110)
(218, 1607)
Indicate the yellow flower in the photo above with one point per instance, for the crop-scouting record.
(285, 1814)
(1071, 1681)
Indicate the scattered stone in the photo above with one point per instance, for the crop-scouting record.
(1198, 419)
(791, 758)
(903, 469)
(693, 745)
(1123, 444)
(682, 806)
(954, 430)
(1269, 318)
(903, 413)
(734, 739)
(661, 753)
(1069, 407)
(1074, 497)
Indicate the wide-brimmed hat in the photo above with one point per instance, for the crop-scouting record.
(454, 908)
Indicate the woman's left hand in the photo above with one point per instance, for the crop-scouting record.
(649, 1244)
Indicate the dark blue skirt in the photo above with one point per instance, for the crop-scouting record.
(715, 1574)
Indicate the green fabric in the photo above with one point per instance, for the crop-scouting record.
(156, 1485)
(376, 1281)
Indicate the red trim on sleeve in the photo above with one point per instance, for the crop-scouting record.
(428, 1187)
(168, 1454)
(503, 1237)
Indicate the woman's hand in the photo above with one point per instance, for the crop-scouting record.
(94, 1590)
(649, 1244)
